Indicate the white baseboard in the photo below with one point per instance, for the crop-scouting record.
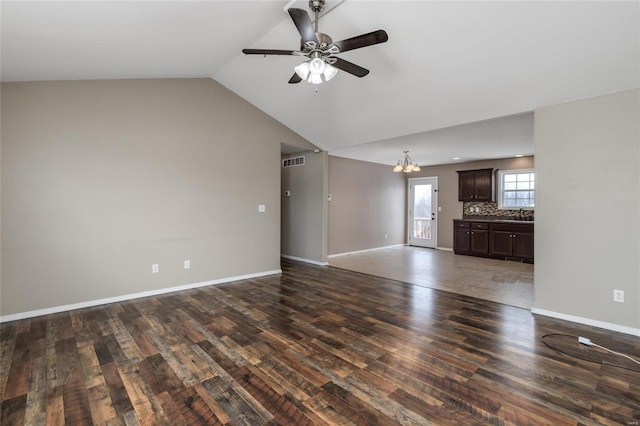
(91, 303)
(364, 251)
(588, 321)
(301, 259)
(444, 248)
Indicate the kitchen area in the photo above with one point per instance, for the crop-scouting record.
(498, 216)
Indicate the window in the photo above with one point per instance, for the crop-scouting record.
(516, 189)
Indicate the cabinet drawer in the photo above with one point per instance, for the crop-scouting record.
(479, 225)
(512, 227)
(461, 224)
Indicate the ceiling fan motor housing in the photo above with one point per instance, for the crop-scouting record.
(324, 41)
(316, 5)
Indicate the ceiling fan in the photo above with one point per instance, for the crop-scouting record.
(322, 65)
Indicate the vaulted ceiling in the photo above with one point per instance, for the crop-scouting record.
(455, 79)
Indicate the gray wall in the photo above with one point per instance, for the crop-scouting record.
(368, 201)
(448, 189)
(304, 212)
(101, 179)
(588, 208)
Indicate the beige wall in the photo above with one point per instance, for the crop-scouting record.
(367, 201)
(588, 209)
(304, 231)
(448, 189)
(101, 179)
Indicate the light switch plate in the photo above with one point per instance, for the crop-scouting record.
(261, 208)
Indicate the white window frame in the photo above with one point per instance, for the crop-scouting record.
(501, 190)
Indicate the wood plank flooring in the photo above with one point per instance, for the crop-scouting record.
(315, 345)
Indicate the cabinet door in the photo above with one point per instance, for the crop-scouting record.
(523, 245)
(500, 243)
(483, 183)
(465, 186)
(461, 240)
(479, 241)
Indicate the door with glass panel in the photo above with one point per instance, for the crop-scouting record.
(422, 220)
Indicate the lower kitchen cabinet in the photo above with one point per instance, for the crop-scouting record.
(479, 238)
(471, 237)
(461, 237)
(496, 239)
(511, 240)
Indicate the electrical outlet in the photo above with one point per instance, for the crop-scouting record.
(154, 268)
(618, 296)
(187, 264)
(385, 236)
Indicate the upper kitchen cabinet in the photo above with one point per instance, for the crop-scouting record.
(476, 185)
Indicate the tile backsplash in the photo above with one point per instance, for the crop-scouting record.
(491, 209)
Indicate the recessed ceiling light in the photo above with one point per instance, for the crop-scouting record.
(519, 155)
(456, 158)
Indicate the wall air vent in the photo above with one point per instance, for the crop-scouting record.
(293, 161)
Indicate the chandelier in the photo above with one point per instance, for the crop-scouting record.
(406, 165)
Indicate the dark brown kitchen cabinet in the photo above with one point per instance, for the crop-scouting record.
(461, 236)
(476, 185)
(471, 237)
(511, 240)
(496, 239)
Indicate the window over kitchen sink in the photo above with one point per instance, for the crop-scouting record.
(516, 189)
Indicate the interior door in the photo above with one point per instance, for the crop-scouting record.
(422, 221)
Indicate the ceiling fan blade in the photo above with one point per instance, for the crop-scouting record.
(267, 52)
(350, 67)
(363, 40)
(295, 78)
(303, 24)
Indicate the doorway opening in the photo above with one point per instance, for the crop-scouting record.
(422, 212)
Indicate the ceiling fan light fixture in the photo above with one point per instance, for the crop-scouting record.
(303, 70)
(316, 66)
(315, 78)
(329, 72)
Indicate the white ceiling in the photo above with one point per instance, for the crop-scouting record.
(446, 64)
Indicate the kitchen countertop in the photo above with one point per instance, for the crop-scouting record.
(494, 219)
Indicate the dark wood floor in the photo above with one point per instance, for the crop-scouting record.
(316, 345)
